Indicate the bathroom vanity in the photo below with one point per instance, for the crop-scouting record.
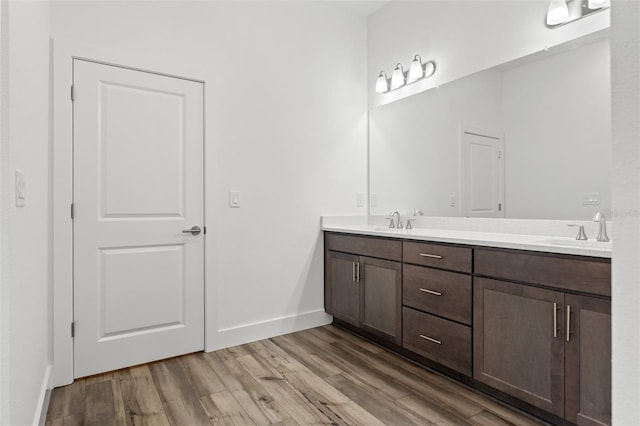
(517, 316)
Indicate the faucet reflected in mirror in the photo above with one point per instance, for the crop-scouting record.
(398, 223)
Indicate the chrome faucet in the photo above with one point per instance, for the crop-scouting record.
(398, 223)
(602, 233)
(416, 213)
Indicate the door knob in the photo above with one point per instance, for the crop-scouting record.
(195, 230)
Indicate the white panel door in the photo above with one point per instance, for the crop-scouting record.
(483, 181)
(138, 183)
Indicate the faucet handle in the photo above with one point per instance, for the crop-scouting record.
(581, 235)
(391, 224)
(409, 219)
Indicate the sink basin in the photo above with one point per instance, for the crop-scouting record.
(570, 242)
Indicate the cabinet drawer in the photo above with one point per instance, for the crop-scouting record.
(588, 276)
(443, 293)
(437, 255)
(440, 340)
(366, 246)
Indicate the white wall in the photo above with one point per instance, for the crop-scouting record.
(414, 147)
(25, 279)
(557, 117)
(462, 37)
(625, 55)
(289, 132)
(5, 178)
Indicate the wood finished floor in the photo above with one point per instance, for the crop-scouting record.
(319, 376)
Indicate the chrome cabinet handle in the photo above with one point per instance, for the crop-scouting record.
(555, 319)
(568, 321)
(353, 271)
(433, 256)
(431, 339)
(357, 272)
(431, 292)
(195, 230)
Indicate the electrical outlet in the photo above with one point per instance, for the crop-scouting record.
(374, 200)
(591, 199)
(453, 200)
(360, 199)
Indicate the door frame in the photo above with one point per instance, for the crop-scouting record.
(493, 134)
(63, 54)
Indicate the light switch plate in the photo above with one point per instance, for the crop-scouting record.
(374, 200)
(21, 184)
(360, 199)
(234, 199)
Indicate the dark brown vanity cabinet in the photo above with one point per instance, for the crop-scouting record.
(533, 325)
(541, 343)
(363, 289)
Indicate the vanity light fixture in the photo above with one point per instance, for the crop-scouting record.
(558, 12)
(382, 83)
(397, 77)
(562, 12)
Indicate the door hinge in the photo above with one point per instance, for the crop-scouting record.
(73, 94)
(499, 207)
(73, 329)
(72, 212)
(499, 154)
(204, 230)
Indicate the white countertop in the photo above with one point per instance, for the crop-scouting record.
(533, 242)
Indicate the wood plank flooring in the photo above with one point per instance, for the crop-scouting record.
(319, 376)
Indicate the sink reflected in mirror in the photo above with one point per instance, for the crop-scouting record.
(569, 242)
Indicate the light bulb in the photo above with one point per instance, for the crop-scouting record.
(429, 69)
(558, 12)
(382, 85)
(397, 78)
(598, 4)
(415, 70)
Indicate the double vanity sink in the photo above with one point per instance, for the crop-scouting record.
(517, 309)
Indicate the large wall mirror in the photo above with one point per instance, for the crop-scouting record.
(529, 139)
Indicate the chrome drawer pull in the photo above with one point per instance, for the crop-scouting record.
(431, 292)
(431, 339)
(433, 256)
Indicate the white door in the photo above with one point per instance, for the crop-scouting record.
(138, 183)
(483, 175)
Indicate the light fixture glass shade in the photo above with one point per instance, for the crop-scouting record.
(397, 78)
(558, 12)
(382, 85)
(429, 69)
(598, 4)
(415, 70)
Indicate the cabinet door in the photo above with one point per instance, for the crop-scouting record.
(588, 361)
(342, 291)
(381, 298)
(516, 347)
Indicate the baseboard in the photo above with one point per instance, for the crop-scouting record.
(240, 335)
(43, 399)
